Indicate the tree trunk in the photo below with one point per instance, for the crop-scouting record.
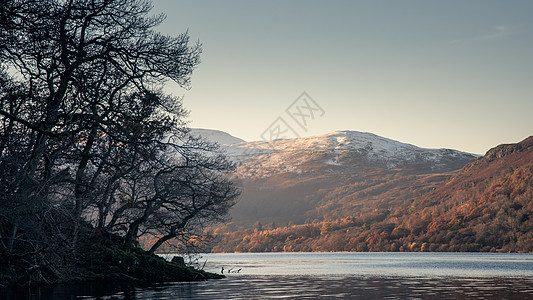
(133, 230)
(162, 240)
(11, 240)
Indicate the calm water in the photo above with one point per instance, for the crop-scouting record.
(337, 275)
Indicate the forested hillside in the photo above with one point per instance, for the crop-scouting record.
(486, 206)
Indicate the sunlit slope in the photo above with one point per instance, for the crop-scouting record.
(486, 206)
(335, 175)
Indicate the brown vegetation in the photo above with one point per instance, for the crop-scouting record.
(486, 206)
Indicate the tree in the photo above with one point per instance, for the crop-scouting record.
(88, 139)
(172, 196)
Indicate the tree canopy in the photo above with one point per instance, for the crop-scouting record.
(90, 145)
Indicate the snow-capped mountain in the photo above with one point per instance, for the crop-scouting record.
(340, 148)
(331, 175)
(216, 136)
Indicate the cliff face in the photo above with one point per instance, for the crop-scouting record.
(507, 150)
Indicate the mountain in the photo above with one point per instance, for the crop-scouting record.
(488, 205)
(371, 147)
(333, 176)
(216, 136)
(370, 196)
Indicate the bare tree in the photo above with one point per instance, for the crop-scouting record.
(87, 133)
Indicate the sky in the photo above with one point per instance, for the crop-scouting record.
(436, 74)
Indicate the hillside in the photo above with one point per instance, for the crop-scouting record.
(486, 206)
(335, 175)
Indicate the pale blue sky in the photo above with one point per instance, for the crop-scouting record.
(436, 74)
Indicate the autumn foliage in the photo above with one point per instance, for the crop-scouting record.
(486, 206)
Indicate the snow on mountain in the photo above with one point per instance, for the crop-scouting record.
(340, 148)
(334, 174)
(235, 148)
(216, 136)
(384, 149)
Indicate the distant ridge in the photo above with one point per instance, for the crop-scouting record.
(216, 136)
(348, 148)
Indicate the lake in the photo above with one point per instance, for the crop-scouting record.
(338, 275)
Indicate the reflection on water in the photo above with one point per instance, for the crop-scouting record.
(313, 287)
(333, 276)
